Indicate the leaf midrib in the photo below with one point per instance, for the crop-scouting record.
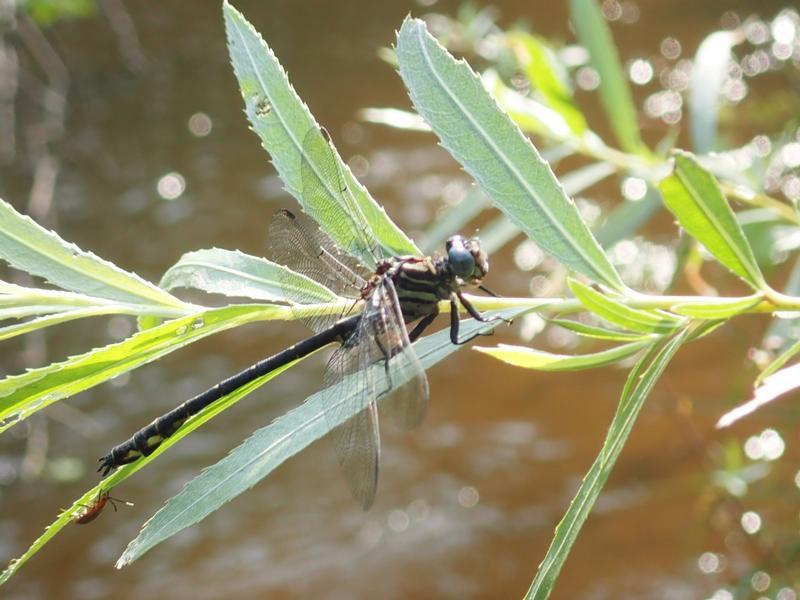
(734, 247)
(555, 223)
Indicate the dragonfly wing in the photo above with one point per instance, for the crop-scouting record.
(406, 400)
(328, 199)
(296, 242)
(352, 414)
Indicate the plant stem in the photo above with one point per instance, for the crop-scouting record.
(559, 306)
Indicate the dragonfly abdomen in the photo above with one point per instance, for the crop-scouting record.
(146, 440)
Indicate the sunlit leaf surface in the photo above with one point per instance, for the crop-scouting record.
(452, 99)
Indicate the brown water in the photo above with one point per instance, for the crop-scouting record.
(467, 505)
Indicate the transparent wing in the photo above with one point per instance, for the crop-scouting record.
(296, 242)
(406, 401)
(356, 438)
(376, 363)
(331, 203)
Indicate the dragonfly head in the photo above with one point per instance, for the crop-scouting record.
(467, 260)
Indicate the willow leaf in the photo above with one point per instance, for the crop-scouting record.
(121, 474)
(71, 314)
(545, 75)
(693, 195)
(64, 518)
(640, 383)
(26, 245)
(499, 231)
(530, 358)
(778, 384)
(712, 308)
(632, 319)
(709, 74)
(23, 395)
(451, 98)
(779, 361)
(281, 120)
(598, 333)
(234, 273)
(615, 94)
(268, 448)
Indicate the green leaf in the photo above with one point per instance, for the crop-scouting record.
(23, 395)
(498, 232)
(778, 384)
(779, 361)
(27, 246)
(64, 518)
(268, 448)
(530, 358)
(282, 121)
(709, 73)
(545, 76)
(492, 149)
(599, 333)
(234, 273)
(64, 316)
(693, 195)
(615, 95)
(782, 331)
(394, 117)
(632, 319)
(640, 383)
(712, 308)
(529, 114)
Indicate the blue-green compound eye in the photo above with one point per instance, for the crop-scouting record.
(460, 258)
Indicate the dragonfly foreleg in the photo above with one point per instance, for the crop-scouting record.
(473, 312)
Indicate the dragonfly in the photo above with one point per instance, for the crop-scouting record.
(375, 359)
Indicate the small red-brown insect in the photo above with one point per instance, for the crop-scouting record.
(91, 511)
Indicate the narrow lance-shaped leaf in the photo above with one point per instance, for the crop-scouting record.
(281, 120)
(26, 245)
(640, 383)
(123, 473)
(599, 333)
(709, 73)
(540, 67)
(779, 361)
(499, 231)
(234, 273)
(71, 314)
(23, 395)
(64, 519)
(693, 195)
(268, 448)
(722, 308)
(633, 319)
(615, 94)
(773, 387)
(784, 331)
(530, 358)
(492, 149)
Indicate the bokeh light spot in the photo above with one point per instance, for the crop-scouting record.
(171, 186)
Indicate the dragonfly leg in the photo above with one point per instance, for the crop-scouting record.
(486, 290)
(473, 312)
(421, 326)
(386, 356)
